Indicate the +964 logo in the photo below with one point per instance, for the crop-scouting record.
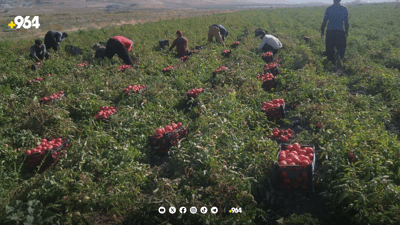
(25, 23)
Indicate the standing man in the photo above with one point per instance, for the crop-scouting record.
(217, 31)
(38, 51)
(336, 35)
(52, 38)
(121, 46)
(181, 44)
(269, 43)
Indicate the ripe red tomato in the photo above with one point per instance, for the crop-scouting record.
(296, 146)
(282, 162)
(28, 152)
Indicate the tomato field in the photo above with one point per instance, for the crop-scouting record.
(111, 174)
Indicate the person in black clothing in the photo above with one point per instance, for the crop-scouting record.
(53, 38)
(38, 51)
(336, 16)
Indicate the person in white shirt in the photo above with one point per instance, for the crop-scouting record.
(269, 43)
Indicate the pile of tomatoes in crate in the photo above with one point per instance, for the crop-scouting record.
(220, 69)
(271, 67)
(105, 112)
(295, 155)
(194, 92)
(268, 57)
(276, 103)
(274, 109)
(268, 54)
(169, 68)
(266, 77)
(166, 137)
(283, 135)
(52, 97)
(124, 67)
(235, 44)
(135, 88)
(82, 64)
(226, 52)
(53, 147)
(184, 58)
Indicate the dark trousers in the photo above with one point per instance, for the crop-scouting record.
(335, 39)
(50, 41)
(269, 48)
(115, 47)
(179, 55)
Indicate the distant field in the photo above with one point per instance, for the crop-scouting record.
(111, 175)
(93, 20)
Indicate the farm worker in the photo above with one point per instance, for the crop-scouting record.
(121, 46)
(335, 15)
(52, 38)
(181, 44)
(269, 43)
(99, 51)
(217, 31)
(38, 51)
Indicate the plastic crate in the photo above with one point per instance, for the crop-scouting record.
(162, 143)
(34, 160)
(274, 70)
(269, 84)
(235, 44)
(163, 43)
(275, 113)
(268, 59)
(295, 177)
(227, 53)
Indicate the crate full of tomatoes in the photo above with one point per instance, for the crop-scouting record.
(268, 57)
(53, 97)
(49, 150)
(226, 53)
(166, 137)
(295, 167)
(194, 93)
(169, 68)
(184, 58)
(105, 112)
(274, 109)
(132, 89)
(268, 80)
(220, 69)
(235, 44)
(271, 67)
(123, 67)
(282, 135)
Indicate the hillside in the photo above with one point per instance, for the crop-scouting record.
(110, 174)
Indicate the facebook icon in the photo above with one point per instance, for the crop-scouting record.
(182, 210)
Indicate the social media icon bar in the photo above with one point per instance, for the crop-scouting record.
(214, 210)
(193, 210)
(172, 210)
(161, 210)
(182, 210)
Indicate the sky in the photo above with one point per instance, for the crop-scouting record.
(319, 1)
